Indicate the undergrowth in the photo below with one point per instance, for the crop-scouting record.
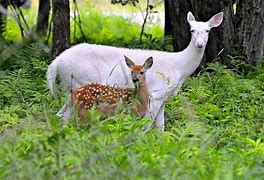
(214, 130)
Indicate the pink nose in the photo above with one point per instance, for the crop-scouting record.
(200, 44)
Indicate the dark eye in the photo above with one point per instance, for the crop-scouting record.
(192, 31)
(131, 72)
(207, 31)
(141, 73)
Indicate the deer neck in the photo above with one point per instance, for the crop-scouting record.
(142, 96)
(190, 58)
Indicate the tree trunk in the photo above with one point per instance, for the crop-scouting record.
(2, 19)
(61, 26)
(168, 22)
(176, 11)
(250, 30)
(2, 26)
(43, 17)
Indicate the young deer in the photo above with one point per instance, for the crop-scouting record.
(106, 98)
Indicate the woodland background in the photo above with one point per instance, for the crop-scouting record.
(214, 127)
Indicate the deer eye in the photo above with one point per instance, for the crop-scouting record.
(192, 30)
(141, 72)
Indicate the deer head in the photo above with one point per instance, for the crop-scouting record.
(138, 71)
(200, 30)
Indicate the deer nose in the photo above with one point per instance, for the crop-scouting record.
(135, 80)
(200, 44)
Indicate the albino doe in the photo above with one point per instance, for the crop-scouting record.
(106, 98)
(86, 63)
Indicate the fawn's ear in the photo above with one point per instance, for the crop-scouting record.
(216, 20)
(129, 62)
(148, 63)
(190, 17)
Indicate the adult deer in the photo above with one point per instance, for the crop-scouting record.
(86, 63)
(106, 98)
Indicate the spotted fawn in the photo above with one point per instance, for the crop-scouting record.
(107, 98)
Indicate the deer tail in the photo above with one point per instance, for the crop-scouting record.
(51, 78)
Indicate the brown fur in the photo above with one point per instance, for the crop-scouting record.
(105, 98)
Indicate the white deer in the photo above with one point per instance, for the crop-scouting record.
(86, 63)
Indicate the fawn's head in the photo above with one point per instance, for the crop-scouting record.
(200, 30)
(138, 71)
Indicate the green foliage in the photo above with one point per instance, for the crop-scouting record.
(151, 42)
(13, 32)
(18, 55)
(96, 27)
(214, 130)
(99, 28)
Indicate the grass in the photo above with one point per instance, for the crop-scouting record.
(214, 127)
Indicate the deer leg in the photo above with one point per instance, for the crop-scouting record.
(159, 121)
(156, 112)
(66, 111)
(61, 111)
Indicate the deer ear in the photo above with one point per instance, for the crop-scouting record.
(216, 20)
(148, 63)
(129, 62)
(190, 17)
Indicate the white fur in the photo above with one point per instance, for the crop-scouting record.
(85, 63)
